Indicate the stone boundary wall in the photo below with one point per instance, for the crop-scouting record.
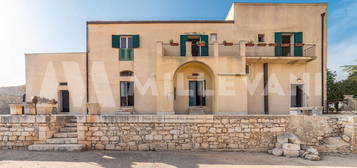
(313, 130)
(199, 132)
(20, 131)
(179, 132)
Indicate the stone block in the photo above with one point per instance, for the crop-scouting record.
(143, 147)
(312, 157)
(203, 130)
(99, 146)
(346, 138)
(290, 146)
(282, 138)
(277, 151)
(291, 153)
(109, 147)
(149, 137)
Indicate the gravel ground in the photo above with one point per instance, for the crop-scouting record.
(187, 159)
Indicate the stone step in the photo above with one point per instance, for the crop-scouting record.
(62, 141)
(71, 124)
(68, 129)
(57, 147)
(72, 121)
(65, 135)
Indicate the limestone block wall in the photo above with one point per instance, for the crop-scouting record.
(312, 130)
(180, 132)
(19, 131)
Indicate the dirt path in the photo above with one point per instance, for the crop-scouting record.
(109, 159)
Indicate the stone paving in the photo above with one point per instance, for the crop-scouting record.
(161, 159)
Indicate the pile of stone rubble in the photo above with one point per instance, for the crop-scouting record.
(289, 145)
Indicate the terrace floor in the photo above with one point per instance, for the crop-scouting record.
(161, 159)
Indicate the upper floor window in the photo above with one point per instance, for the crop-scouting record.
(261, 38)
(199, 45)
(126, 45)
(287, 44)
(213, 36)
(126, 42)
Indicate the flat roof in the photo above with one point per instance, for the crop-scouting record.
(272, 3)
(159, 21)
(55, 53)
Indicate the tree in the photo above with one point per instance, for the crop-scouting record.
(334, 89)
(350, 84)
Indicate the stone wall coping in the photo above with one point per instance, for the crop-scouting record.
(165, 118)
(4, 119)
(145, 118)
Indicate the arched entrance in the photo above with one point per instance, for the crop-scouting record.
(193, 89)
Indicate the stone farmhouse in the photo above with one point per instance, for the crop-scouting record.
(264, 58)
(229, 85)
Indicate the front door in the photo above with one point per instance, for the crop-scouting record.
(197, 95)
(64, 100)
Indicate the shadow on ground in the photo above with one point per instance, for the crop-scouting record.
(163, 159)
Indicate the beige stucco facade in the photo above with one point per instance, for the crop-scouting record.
(233, 75)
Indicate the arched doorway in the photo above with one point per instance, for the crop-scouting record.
(193, 89)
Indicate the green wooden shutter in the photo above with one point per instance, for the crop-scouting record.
(136, 41)
(278, 41)
(204, 49)
(126, 54)
(115, 41)
(298, 39)
(183, 39)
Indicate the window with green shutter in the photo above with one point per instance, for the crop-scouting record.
(298, 38)
(125, 41)
(196, 48)
(278, 42)
(183, 39)
(115, 41)
(126, 45)
(204, 49)
(288, 38)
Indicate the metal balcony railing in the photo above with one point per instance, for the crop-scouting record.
(239, 49)
(308, 50)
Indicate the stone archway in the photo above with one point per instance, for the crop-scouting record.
(193, 89)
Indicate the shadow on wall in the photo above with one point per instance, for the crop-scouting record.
(8, 95)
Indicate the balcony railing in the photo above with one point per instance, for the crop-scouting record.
(308, 50)
(213, 49)
(237, 49)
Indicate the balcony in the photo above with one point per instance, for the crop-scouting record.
(266, 54)
(253, 54)
(213, 50)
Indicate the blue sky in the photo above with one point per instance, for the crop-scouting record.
(40, 26)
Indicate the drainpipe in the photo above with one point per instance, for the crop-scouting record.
(87, 86)
(266, 91)
(325, 109)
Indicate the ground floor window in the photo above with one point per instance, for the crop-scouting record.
(297, 95)
(197, 90)
(126, 93)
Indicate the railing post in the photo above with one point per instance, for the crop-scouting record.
(242, 52)
(159, 49)
(215, 49)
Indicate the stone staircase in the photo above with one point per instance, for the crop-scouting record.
(64, 140)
